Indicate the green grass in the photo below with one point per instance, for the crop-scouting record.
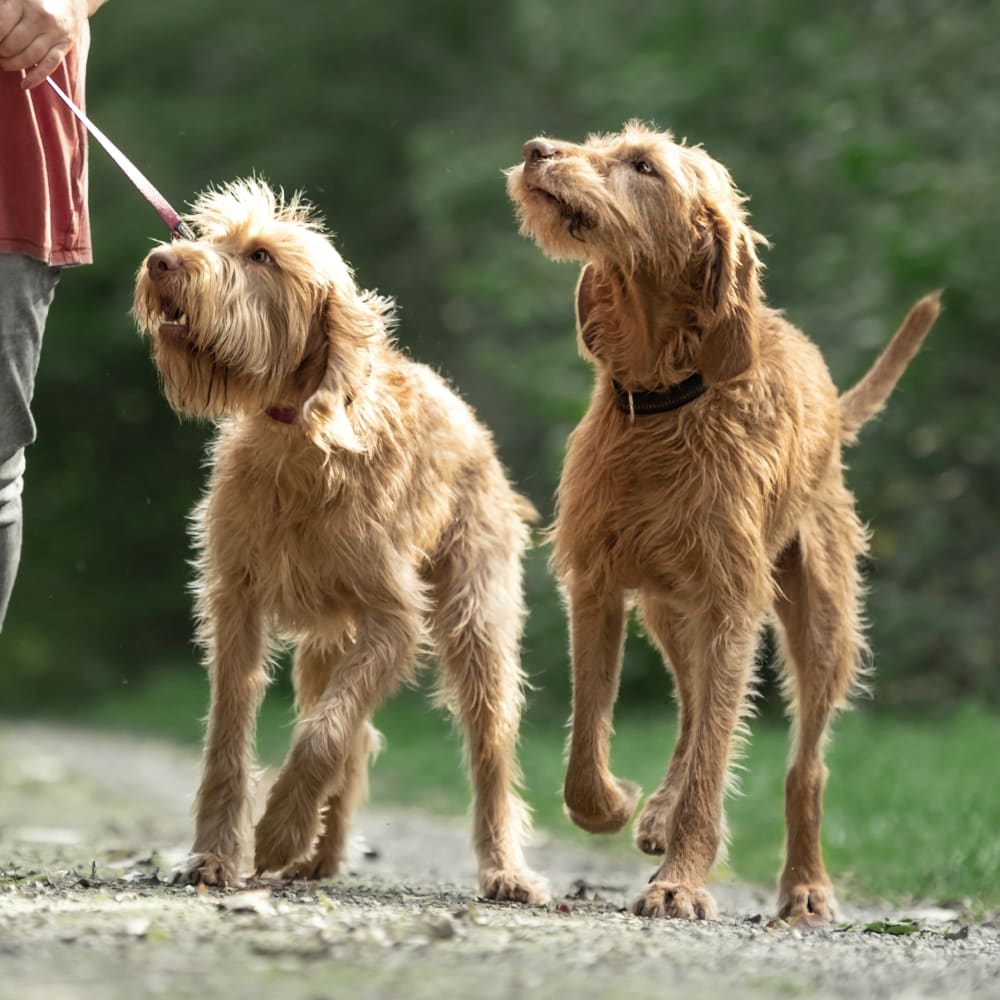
(912, 810)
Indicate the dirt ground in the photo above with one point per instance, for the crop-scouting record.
(91, 826)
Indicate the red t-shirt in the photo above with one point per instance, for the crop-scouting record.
(43, 166)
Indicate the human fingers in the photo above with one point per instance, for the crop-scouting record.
(45, 66)
(11, 14)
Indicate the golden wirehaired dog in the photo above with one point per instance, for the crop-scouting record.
(705, 483)
(354, 506)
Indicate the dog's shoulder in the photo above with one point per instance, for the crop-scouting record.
(434, 395)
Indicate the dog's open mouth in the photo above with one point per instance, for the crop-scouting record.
(175, 327)
(176, 331)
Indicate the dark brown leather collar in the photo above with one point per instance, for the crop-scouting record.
(646, 401)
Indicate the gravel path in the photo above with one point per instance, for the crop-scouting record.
(90, 825)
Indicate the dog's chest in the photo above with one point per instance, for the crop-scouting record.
(617, 515)
(300, 567)
(641, 509)
(291, 546)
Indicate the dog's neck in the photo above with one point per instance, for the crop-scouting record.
(289, 414)
(643, 336)
(302, 383)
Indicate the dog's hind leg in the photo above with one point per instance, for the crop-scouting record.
(477, 622)
(315, 664)
(818, 607)
(663, 627)
(324, 743)
(595, 799)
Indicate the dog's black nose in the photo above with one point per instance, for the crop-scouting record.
(161, 261)
(538, 149)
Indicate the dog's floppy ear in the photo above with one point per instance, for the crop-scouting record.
(345, 325)
(593, 302)
(730, 292)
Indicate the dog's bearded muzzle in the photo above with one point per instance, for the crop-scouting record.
(161, 304)
(542, 183)
(168, 306)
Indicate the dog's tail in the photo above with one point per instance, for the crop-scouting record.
(859, 404)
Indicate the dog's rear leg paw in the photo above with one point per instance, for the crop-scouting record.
(650, 830)
(208, 868)
(282, 837)
(605, 810)
(672, 900)
(313, 868)
(807, 899)
(515, 885)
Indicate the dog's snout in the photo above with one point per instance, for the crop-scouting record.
(538, 149)
(161, 261)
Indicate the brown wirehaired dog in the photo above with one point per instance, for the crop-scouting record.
(705, 482)
(354, 506)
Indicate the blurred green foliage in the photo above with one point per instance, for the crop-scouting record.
(867, 135)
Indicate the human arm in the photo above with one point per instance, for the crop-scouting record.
(35, 35)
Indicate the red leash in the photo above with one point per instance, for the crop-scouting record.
(176, 225)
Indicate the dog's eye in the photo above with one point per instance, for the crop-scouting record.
(261, 256)
(643, 167)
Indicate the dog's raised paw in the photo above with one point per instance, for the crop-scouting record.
(514, 885)
(669, 899)
(803, 899)
(606, 812)
(208, 868)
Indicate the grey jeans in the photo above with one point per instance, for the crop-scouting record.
(26, 290)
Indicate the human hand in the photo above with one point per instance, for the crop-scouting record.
(35, 35)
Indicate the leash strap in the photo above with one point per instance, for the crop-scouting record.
(176, 225)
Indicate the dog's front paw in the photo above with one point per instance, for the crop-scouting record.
(669, 899)
(516, 885)
(805, 899)
(282, 838)
(210, 869)
(605, 809)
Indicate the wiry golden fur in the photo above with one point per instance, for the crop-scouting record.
(354, 506)
(709, 516)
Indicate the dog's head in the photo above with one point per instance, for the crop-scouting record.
(638, 205)
(260, 311)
